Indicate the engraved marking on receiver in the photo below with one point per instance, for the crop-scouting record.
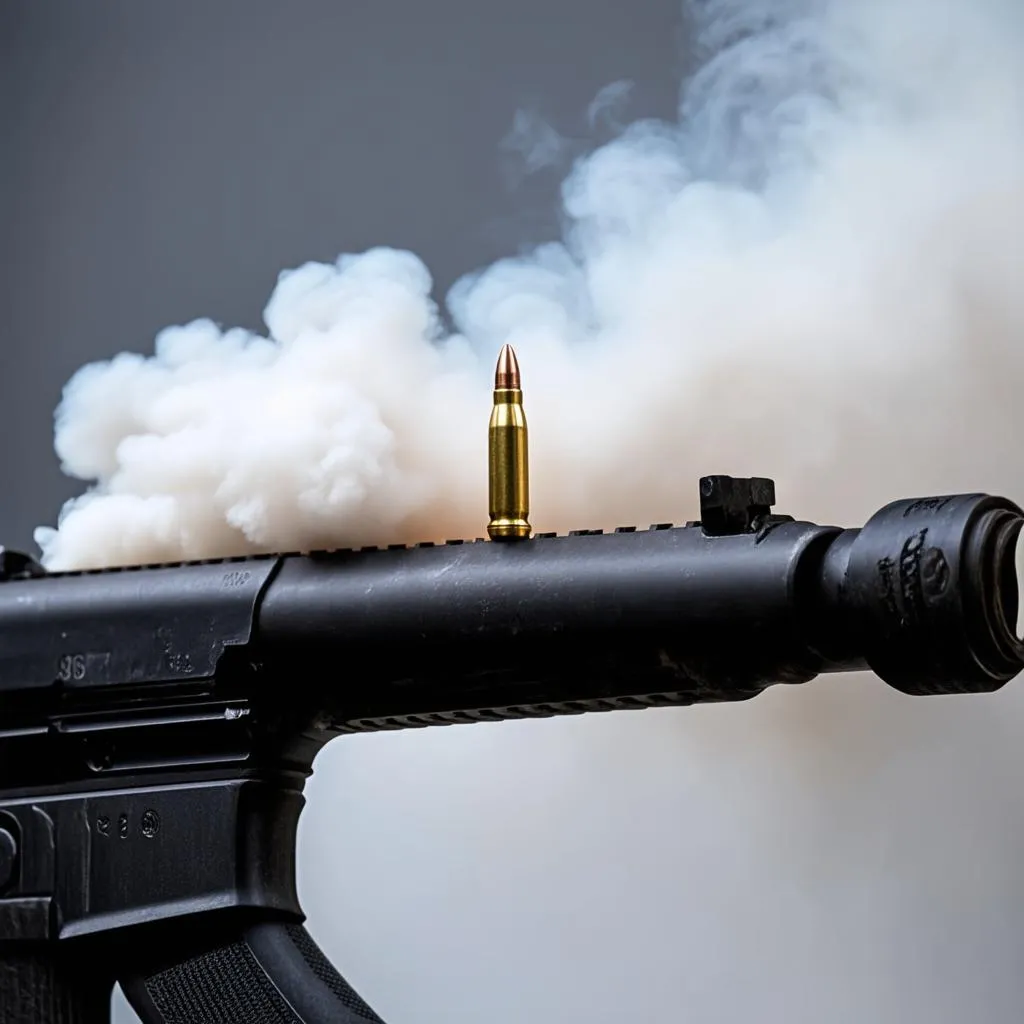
(236, 578)
(103, 825)
(122, 826)
(150, 824)
(92, 666)
(174, 659)
(71, 668)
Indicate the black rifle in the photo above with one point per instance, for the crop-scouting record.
(157, 723)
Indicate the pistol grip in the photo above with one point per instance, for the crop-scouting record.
(272, 972)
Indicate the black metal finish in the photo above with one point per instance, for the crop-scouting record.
(553, 626)
(734, 505)
(42, 983)
(17, 565)
(924, 595)
(927, 594)
(157, 724)
(144, 625)
(149, 852)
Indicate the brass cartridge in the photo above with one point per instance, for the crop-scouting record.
(508, 448)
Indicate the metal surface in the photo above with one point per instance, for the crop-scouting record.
(113, 627)
(508, 454)
(157, 724)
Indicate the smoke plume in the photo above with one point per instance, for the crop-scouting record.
(814, 275)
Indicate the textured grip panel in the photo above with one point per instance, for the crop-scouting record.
(264, 974)
(324, 970)
(218, 987)
(43, 988)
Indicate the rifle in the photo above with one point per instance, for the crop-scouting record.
(158, 722)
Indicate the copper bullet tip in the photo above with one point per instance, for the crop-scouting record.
(506, 376)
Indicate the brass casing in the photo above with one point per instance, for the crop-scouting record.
(509, 467)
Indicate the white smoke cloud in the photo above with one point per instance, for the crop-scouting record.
(798, 279)
(814, 275)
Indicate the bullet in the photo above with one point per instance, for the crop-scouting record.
(508, 455)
